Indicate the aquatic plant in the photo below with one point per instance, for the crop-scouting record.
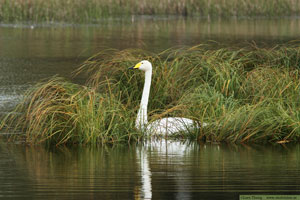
(95, 10)
(57, 111)
(245, 95)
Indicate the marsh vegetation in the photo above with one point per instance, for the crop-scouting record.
(95, 10)
(245, 95)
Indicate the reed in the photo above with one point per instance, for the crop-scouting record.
(245, 95)
(94, 10)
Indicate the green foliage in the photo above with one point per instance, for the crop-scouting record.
(95, 10)
(57, 112)
(245, 95)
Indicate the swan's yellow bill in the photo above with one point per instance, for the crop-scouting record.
(137, 65)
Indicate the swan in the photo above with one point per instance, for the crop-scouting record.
(164, 126)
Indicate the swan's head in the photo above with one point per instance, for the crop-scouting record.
(144, 65)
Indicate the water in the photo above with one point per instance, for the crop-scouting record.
(154, 170)
(30, 53)
(158, 170)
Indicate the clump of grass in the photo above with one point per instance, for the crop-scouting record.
(94, 10)
(249, 95)
(57, 112)
(245, 95)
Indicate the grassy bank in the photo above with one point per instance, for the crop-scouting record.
(93, 10)
(246, 95)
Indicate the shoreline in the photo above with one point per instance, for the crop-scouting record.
(137, 18)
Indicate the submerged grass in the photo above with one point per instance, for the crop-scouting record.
(93, 10)
(245, 95)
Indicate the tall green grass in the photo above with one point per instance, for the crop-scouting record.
(94, 10)
(57, 112)
(245, 95)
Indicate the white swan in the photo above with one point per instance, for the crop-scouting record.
(165, 126)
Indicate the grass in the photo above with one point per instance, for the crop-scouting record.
(95, 10)
(246, 95)
(58, 112)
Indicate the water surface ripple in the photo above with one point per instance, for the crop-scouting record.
(156, 170)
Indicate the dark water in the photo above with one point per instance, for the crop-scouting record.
(160, 170)
(157, 170)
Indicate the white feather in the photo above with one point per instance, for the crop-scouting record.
(165, 126)
(171, 125)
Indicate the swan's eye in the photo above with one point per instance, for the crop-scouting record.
(142, 63)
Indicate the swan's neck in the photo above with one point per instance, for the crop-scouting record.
(141, 119)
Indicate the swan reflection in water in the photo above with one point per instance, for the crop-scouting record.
(163, 154)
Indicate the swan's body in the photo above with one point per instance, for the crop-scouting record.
(165, 126)
(171, 125)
